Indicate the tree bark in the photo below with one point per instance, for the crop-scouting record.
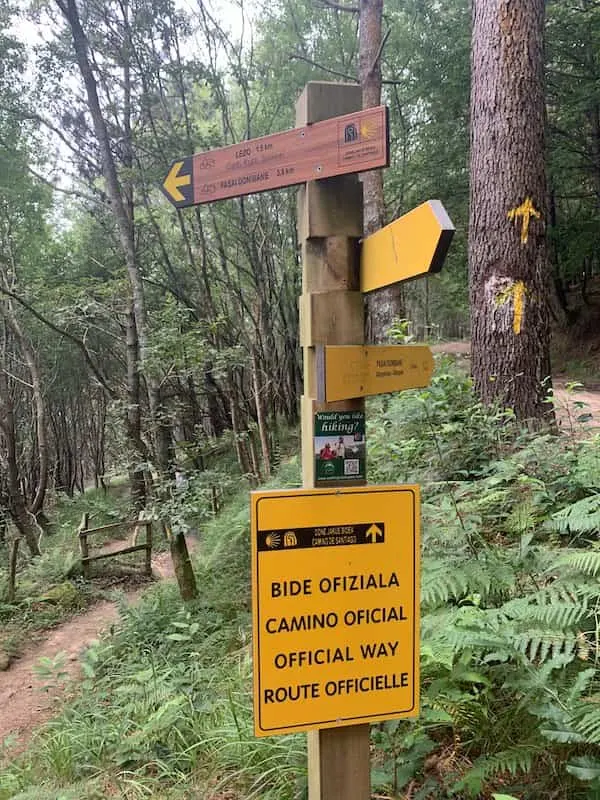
(260, 417)
(508, 260)
(385, 304)
(22, 517)
(37, 502)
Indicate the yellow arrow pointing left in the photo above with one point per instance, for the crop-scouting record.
(175, 179)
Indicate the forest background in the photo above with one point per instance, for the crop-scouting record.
(144, 332)
(136, 338)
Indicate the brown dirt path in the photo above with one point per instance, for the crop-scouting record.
(24, 703)
(567, 410)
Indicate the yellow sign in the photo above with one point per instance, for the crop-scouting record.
(412, 245)
(335, 588)
(347, 371)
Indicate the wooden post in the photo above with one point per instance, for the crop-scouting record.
(148, 548)
(11, 589)
(83, 544)
(330, 224)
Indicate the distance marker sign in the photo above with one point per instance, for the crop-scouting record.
(351, 143)
(335, 587)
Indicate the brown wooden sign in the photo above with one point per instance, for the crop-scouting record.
(353, 143)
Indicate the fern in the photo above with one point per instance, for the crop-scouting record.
(511, 761)
(586, 562)
(582, 516)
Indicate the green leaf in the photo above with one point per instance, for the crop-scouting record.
(585, 768)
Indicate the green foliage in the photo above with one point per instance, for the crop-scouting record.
(167, 698)
(508, 638)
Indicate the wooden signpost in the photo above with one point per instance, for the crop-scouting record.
(409, 247)
(346, 144)
(346, 555)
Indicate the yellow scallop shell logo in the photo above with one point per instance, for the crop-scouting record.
(368, 129)
(273, 540)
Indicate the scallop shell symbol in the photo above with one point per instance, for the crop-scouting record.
(273, 540)
(368, 129)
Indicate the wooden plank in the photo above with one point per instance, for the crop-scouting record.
(113, 526)
(338, 758)
(125, 550)
(356, 371)
(411, 246)
(329, 208)
(331, 318)
(351, 143)
(317, 102)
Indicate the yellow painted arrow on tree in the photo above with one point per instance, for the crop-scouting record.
(373, 533)
(176, 179)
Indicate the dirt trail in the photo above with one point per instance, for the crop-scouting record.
(565, 402)
(24, 703)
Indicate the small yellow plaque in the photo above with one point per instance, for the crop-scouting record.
(335, 588)
(347, 371)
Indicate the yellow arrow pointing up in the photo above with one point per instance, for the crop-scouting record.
(373, 533)
(174, 180)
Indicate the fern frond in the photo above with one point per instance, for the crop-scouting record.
(549, 609)
(586, 722)
(511, 761)
(580, 517)
(581, 561)
(538, 645)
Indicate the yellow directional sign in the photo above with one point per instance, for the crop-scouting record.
(413, 245)
(177, 186)
(346, 371)
(335, 588)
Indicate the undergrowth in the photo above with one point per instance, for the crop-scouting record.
(509, 608)
(47, 589)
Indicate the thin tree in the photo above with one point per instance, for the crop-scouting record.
(382, 306)
(508, 260)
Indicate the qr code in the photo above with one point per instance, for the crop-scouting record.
(351, 466)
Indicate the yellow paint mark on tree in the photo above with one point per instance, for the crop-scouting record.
(526, 211)
(517, 291)
(518, 304)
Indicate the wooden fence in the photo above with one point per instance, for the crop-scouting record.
(134, 526)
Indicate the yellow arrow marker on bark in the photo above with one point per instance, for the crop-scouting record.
(526, 211)
(411, 246)
(177, 179)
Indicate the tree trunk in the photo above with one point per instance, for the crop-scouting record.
(22, 517)
(260, 417)
(508, 260)
(134, 419)
(121, 201)
(37, 502)
(385, 304)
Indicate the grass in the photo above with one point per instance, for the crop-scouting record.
(48, 590)
(166, 702)
(509, 637)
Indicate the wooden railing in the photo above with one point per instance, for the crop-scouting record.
(134, 526)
